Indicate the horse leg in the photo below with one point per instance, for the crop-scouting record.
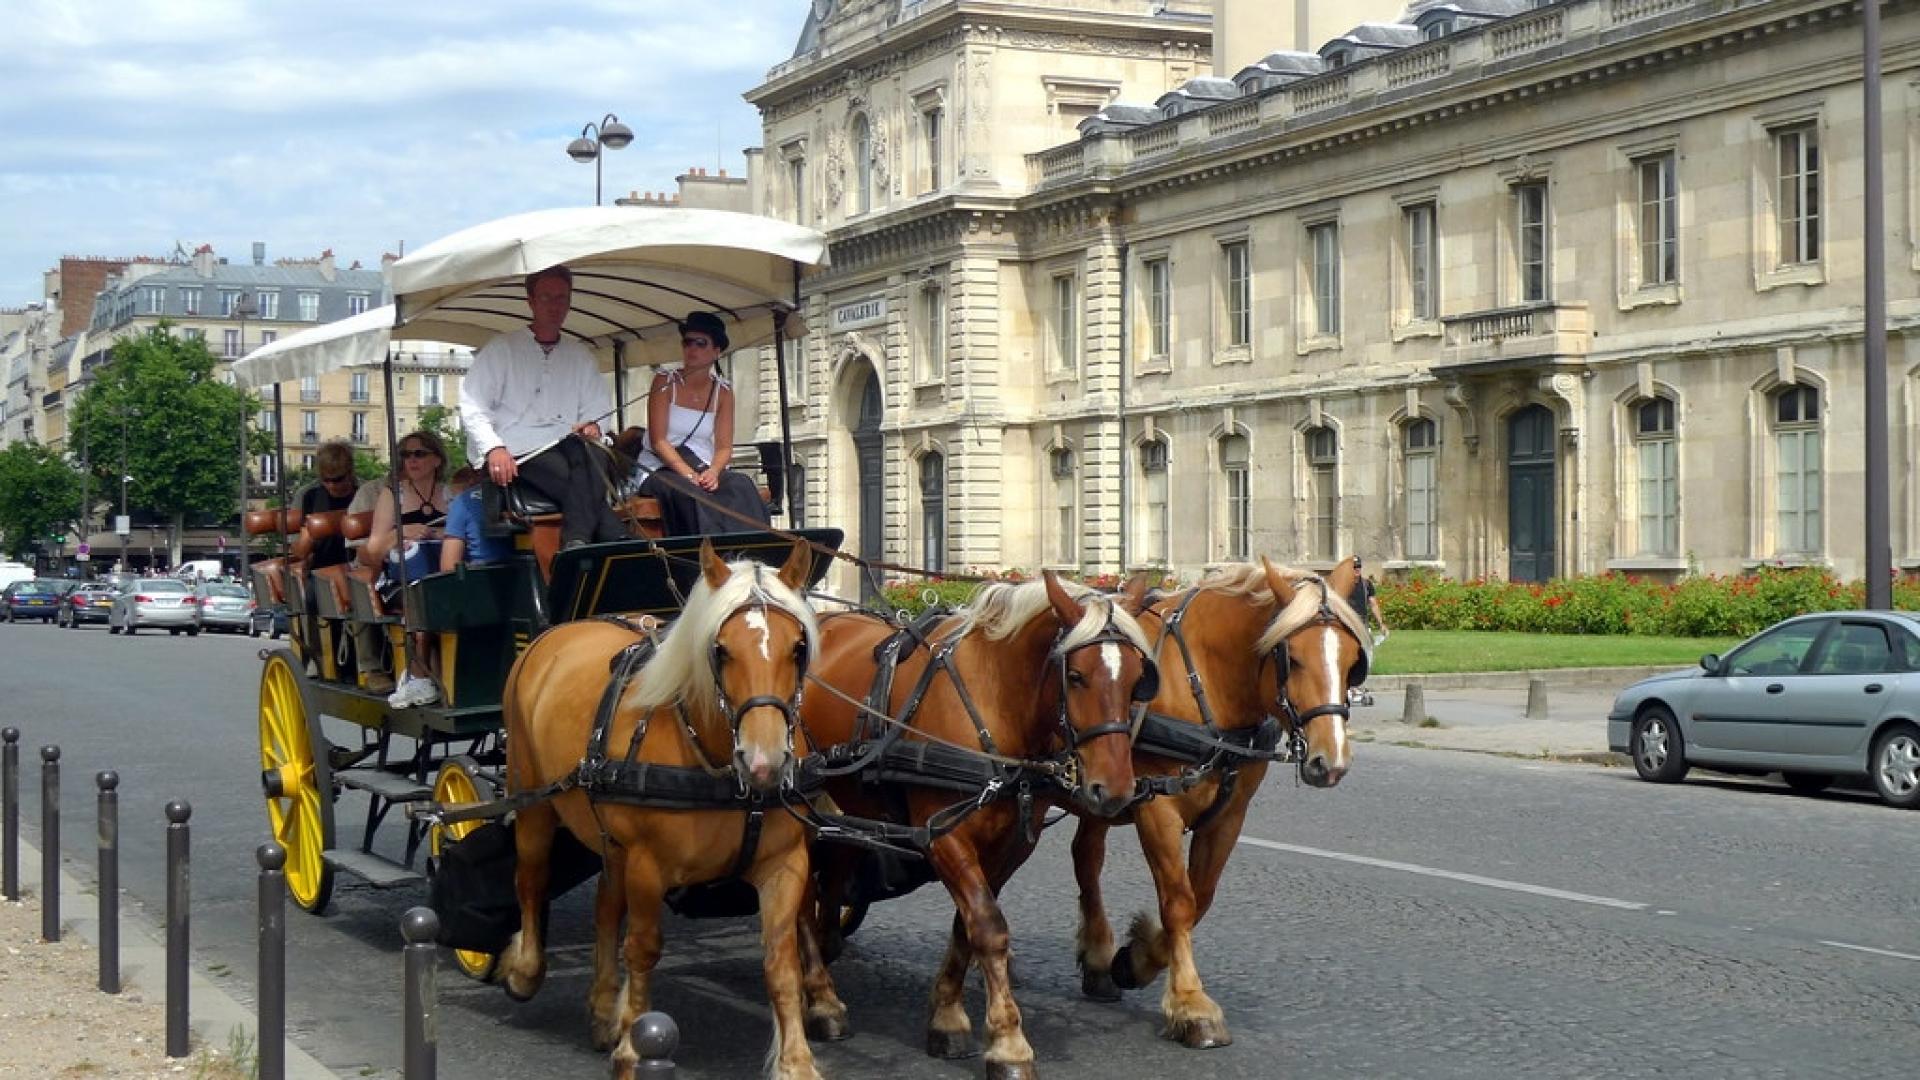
(1093, 948)
(1192, 1018)
(826, 1013)
(609, 907)
(523, 966)
(782, 884)
(949, 1029)
(645, 892)
(1009, 1055)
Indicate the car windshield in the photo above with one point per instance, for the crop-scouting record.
(162, 585)
(228, 590)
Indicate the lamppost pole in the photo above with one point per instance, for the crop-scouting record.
(1879, 528)
(122, 526)
(241, 309)
(609, 133)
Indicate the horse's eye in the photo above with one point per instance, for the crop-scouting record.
(1075, 678)
(719, 651)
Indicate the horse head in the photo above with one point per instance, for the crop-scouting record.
(1106, 673)
(762, 636)
(1316, 644)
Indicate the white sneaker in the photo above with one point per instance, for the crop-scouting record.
(414, 690)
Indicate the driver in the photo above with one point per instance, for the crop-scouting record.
(529, 405)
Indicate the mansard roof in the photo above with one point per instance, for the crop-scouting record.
(1196, 93)
(1278, 69)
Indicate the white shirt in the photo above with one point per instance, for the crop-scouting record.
(517, 396)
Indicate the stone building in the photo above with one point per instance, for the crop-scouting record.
(1496, 288)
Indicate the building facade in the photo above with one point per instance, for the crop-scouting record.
(1500, 289)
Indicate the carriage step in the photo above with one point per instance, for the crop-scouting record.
(379, 872)
(391, 786)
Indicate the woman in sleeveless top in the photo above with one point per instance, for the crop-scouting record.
(690, 441)
(423, 504)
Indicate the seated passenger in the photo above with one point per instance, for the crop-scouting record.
(424, 499)
(466, 540)
(690, 436)
(334, 491)
(531, 405)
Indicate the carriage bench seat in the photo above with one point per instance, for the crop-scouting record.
(270, 582)
(331, 596)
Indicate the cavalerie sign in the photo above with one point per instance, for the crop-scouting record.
(860, 313)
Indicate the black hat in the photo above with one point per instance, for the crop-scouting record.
(706, 322)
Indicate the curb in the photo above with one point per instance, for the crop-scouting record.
(1517, 680)
(143, 959)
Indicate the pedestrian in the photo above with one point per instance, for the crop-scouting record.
(1364, 598)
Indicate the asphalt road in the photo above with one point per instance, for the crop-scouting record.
(1438, 915)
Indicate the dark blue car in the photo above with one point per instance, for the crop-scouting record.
(36, 599)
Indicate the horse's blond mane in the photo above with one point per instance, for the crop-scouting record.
(1003, 608)
(681, 670)
(1310, 591)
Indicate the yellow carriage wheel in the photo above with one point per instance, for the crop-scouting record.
(298, 786)
(459, 781)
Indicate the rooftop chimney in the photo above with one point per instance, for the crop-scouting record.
(259, 253)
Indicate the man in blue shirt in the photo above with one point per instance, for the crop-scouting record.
(465, 540)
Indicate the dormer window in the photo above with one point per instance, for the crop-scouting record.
(1336, 59)
(1436, 30)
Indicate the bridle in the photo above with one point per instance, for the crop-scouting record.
(1143, 690)
(1296, 720)
(789, 707)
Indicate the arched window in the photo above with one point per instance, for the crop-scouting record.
(1156, 523)
(1419, 459)
(1323, 492)
(862, 165)
(1065, 510)
(1798, 479)
(1657, 462)
(933, 511)
(1236, 462)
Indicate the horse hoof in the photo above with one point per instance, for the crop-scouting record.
(1199, 1033)
(1099, 985)
(519, 991)
(950, 1044)
(1012, 1070)
(1121, 969)
(828, 1028)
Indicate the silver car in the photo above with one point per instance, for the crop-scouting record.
(166, 602)
(225, 606)
(1814, 697)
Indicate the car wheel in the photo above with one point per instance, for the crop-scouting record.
(193, 631)
(129, 628)
(1808, 783)
(1657, 751)
(1896, 766)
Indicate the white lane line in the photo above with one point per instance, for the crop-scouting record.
(1876, 952)
(1450, 875)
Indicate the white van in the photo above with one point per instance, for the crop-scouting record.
(11, 572)
(203, 569)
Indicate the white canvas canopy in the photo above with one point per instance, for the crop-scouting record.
(637, 271)
(356, 341)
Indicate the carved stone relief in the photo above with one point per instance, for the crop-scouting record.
(834, 173)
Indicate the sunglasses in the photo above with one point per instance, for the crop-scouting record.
(335, 479)
(696, 343)
(417, 454)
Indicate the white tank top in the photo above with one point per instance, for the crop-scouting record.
(682, 420)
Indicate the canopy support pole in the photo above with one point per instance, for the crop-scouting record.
(619, 386)
(280, 455)
(394, 470)
(780, 377)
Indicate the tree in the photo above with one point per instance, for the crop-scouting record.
(445, 423)
(161, 398)
(39, 496)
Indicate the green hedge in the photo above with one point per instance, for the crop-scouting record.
(916, 595)
(1696, 606)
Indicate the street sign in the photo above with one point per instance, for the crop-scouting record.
(85, 549)
(123, 524)
(83, 557)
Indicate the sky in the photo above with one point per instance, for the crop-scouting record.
(128, 127)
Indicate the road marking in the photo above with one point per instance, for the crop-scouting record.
(1876, 952)
(1450, 875)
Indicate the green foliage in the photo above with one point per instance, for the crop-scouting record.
(915, 595)
(161, 398)
(1695, 606)
(445, 423)
(39, 496)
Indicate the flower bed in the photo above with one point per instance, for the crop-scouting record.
(1699, 606)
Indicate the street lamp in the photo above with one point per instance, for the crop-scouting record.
(243, 309)
(609, 133)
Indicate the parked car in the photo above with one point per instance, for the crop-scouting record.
(271, 619)
(1815, 697)
(91, 602)
(165, 602)
(35, 598)
(226, 606)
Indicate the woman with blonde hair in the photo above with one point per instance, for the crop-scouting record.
(424, 499)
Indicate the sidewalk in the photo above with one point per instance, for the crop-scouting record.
(1486, 713)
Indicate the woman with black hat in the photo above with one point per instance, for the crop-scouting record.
(690, 441)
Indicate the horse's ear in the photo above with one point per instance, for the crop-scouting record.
(1341, 578)
(1133, 597)
(711, 567)
(1282, 588)
(1065, 607)
(799, 566)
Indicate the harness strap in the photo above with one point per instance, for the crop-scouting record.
(749, 842)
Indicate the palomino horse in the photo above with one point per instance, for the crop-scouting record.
(1249, 645)
(1036, 682)
(724, 687)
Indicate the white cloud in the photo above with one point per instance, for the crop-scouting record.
(354, 125)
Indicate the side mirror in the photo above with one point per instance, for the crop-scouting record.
(1711, 663)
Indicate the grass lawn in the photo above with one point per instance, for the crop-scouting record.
(1432, 651)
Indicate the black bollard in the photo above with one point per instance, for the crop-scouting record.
(420, 926)
(273, 961)
(10, 810)
(109, 783)
(655, 1038)
(178, 1035)
(50, 843)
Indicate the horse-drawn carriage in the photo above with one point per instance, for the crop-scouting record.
(736, 730)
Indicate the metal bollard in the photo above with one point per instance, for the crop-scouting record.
(655, 1038)
(1536, 698)
(178, 891)
(10, 810)
(109, 783)
(1414, 709)
(420, 926)
(50, 843)
(273, 961)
